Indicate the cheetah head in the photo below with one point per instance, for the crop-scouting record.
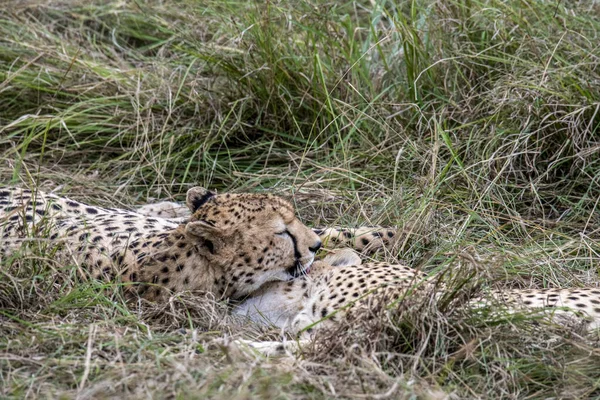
(251, 238)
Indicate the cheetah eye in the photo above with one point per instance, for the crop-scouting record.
(283, 233)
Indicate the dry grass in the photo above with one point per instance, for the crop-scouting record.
(472, 124)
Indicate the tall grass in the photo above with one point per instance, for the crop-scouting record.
(473, 125)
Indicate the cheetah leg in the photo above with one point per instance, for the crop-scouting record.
(304, 323)
(365, 239)
(341, 258)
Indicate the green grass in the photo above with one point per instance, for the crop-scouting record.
(473, 124)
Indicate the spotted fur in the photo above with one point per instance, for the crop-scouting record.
(229, 244)
(340, 283)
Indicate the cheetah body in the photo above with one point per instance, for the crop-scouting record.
(334, 285)
(229, 244)
(340, 283)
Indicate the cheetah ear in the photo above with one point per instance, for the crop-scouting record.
(197, 197)
(211, 237)
(203, 229)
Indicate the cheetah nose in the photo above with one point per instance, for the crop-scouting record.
(314, 248)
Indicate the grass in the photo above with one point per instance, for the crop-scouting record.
(474, 125)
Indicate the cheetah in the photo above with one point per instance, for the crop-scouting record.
(229, 244)
(340, 282)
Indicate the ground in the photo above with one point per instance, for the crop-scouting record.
(472, 126)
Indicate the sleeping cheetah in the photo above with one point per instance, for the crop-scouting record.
(230, 245)
(340, 283)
